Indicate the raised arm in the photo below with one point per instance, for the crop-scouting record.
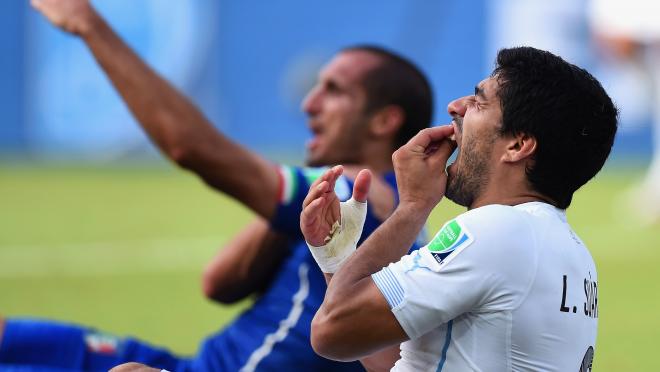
(355, 319)
(174, 124)
(246, 264)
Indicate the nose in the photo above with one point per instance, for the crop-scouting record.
(457, 107)
(312, 102)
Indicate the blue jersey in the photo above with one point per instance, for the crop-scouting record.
(272, 335)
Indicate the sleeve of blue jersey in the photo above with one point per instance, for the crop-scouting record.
(287, 214)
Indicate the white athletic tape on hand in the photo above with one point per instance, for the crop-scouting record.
(342, 240)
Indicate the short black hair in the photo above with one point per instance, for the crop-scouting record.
(397, 81)
(565, 109)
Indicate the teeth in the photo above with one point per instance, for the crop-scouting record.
(453, 137)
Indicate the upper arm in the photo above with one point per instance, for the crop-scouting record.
(238, 172)
(352, 327)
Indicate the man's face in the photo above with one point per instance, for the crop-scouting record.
(477, 119)
(336, 109)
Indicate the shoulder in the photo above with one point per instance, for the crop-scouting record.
(493, 234)
(494, 213)
(502, 223)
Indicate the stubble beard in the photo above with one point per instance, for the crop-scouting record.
(470, 178)
(347, 149)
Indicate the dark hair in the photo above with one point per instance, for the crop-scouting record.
(568, 112)
(397, 81)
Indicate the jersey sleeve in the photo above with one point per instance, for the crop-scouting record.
(480, 261)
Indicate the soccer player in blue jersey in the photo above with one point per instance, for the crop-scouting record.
(367, 102)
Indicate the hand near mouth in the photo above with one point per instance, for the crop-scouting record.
(420, 167)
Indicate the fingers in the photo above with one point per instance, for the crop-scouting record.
(362, 185)
(315, 193)
(311, 212)
(323, 177)
(312, 220)
(442, 151)
(432, 144)
(430, 135)
(327, 179)
(335, 173)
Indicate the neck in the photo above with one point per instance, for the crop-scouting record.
(510, 200)
(511, 189)
(377, 157)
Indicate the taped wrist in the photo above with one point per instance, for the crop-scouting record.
(342, 240)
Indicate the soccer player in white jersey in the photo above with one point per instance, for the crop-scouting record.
(505, 286)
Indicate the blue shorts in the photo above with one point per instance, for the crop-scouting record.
(33, 345)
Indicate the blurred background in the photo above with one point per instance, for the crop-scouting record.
(96, 228)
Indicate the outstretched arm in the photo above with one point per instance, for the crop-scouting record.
(246, 264)
(355, 320)
(175, 125)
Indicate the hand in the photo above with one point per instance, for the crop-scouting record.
(321, 206)
(420, 167)
(74, 16)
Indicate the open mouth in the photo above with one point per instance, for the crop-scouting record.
(455, 139)
(457, 123)
(314, 141)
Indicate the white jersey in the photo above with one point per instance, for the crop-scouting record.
(499, 288)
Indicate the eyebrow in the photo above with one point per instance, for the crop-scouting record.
(479, 92)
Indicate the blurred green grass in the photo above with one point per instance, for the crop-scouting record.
(122, 249)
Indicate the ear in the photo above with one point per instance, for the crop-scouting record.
(387, 121)
(519, 147)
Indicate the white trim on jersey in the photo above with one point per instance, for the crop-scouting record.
(285, 325)
(389, 286)
(289, 184)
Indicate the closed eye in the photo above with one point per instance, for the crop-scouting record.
(472, 102)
